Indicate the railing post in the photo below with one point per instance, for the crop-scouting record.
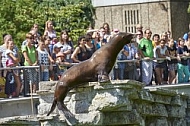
(39, 76)
(25, 81)
(140, 78)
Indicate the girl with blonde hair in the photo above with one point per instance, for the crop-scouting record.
(50, 31)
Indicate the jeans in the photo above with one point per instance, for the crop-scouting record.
(165, 72)
(147, 71)
(121, 69)
(44, 76)
(183, 73)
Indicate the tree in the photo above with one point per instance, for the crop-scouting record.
(17, 16)
(188, 10)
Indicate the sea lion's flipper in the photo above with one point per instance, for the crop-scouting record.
(70, 118)
(52, 107)
(61, 106)
(71, 121)
(103, 78)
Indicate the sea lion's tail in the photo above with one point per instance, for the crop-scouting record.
(61, 106)
(52, 107)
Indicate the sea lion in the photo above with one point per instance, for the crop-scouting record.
(96, 68)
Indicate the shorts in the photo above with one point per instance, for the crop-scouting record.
(32, 76)
(159, 65)
(172, 66)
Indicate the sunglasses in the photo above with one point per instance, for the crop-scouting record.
(30, 37)
(149, 33)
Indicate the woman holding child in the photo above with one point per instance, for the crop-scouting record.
(13, 82)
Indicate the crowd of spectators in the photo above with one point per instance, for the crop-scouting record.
(147, 58)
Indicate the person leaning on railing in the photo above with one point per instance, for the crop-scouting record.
(146, 52)
(13, 82)
(3, 48)
(172, 65)
(45, 61)
(56, 50)
(183, 70)
(6, 54)
(130, 70)
(62, 64)
(160, 52)
(119, 68)
(31, 59)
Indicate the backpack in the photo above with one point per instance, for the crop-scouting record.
(22, 59)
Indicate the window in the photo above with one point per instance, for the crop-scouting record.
(131, 20)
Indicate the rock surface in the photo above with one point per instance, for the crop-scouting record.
(116, 103)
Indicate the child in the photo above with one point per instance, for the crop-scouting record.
(56, 50)
(45, 61)
(10, 87)
(62, 64)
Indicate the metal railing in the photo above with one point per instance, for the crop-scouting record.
(150, 59)
(24, 76)
(27, 73)
(24, 71)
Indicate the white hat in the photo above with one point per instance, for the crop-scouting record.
(58, 45)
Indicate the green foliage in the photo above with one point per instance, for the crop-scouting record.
(188, 10)
(18, 16)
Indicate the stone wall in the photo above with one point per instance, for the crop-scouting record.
(180, 19)
(158, 16)
(18, 106)
(116, 103)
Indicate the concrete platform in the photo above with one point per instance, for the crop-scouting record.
(181, 88)
(21, 106)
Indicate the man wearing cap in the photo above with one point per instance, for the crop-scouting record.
(62, 64)
(66, 49)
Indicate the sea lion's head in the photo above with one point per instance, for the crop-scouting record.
(127, 37)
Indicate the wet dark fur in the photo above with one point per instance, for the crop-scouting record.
(96, 68)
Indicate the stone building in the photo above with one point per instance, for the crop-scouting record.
(158, 15)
